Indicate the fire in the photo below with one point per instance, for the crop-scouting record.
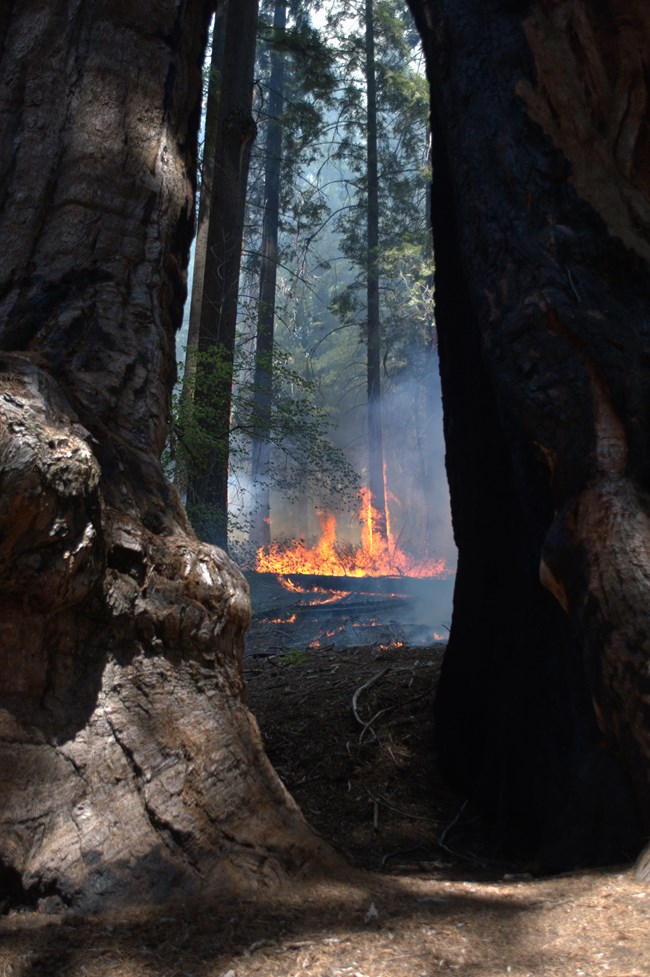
(330, 596)
(377, 555)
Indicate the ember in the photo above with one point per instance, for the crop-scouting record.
(337, 594)
(283, 620)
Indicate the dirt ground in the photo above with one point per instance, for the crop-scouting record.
(350, 732)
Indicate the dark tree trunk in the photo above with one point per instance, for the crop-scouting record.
(263, 376)
(217, 55)
(207, 497)
(375, 438)
(430, 391)
(217, 58)
(129, 765)
(540, 209)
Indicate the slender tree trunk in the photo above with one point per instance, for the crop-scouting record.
(263, 377)
(375, 446)
(217, 55)
(130, 769)
(541, 181)
(430, 386)
(207, 498)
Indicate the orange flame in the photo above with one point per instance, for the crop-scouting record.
(377, 556)
(330, 596)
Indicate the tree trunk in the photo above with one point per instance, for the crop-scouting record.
(207, 498)
(130, 768)
(375, 441)
(217, 55)
(263, 376)
(431, 389)
(541, 198)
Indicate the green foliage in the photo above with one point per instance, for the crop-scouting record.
(304, 457)
(298, 428)
(294, 656)
(316, 418)
(197, 418)
(405, 261)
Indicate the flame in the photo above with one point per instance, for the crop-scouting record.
(283, 620)
(290, 585)
(329, 596)
(392, 646)
(376, 556)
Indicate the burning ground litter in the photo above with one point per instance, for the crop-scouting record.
(303, 611)
(378, 554)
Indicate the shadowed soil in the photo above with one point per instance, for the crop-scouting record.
(350, 733)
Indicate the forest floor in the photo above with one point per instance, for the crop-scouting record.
(350, 732)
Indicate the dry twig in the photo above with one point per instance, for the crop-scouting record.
(366, 685)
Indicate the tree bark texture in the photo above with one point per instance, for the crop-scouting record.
(130, 768)
(540, 209)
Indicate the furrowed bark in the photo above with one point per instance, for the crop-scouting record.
(130, 768)
(540, 190)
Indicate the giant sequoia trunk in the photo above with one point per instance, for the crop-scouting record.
(540, 210)
(129, 765)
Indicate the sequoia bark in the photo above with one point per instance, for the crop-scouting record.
(540, 207)
(129, 765)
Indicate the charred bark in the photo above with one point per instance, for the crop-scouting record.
(541, 195)
(130, 768)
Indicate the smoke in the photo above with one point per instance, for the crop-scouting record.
(414, 454)
(415, 477)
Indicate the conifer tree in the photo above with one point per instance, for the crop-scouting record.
(230, 133)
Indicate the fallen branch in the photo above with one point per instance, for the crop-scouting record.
(366, 685)
(368, 726)
(441, 839)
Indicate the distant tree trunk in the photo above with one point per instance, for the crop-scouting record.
(130, 769)
(217, 55)
(213, 98)
(263, 376)
(375, 440)
(431, 389)
(541, 199)
(207, 498)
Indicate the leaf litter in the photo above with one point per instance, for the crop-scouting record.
(425, 895)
